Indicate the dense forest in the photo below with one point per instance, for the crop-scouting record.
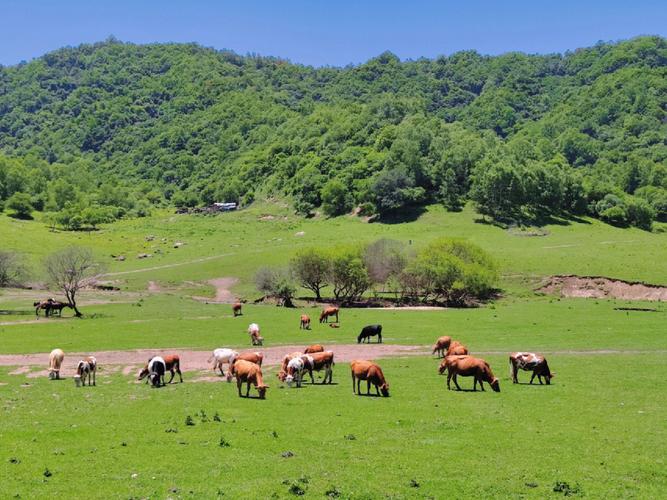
(98, 132)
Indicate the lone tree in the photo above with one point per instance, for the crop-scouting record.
(72, 269)
(311, 268)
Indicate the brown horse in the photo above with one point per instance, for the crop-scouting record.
(327, 312)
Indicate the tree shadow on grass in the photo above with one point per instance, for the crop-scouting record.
(407, 214)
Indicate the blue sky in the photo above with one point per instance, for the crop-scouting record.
(329, 32)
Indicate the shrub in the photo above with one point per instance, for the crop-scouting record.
(276, 283)
(348, 274)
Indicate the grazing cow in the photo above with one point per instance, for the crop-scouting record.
(313, 348)
(156, 367)
(221, 356)
(255, 337)
(250, 373)
(55, 362)
(457, 349)
(329, 311)
(294, 372)
(172, 364)
(319, 361)
(370, 331)
(304, 324)
(282, 373)
(467, 366)
(372, 374)
(87, 367)
(529, 361)
(441, 346)
(236, 309)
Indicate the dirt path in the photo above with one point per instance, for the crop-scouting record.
(111, 361)
(601, 287)
(222, 293)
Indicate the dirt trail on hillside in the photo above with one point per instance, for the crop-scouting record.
(223, 294)
(599, 287)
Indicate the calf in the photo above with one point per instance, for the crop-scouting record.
(529, 361)
(172, 364)
(457, 349)
(237, 309)
(467, 366)
(313, 348)
(250, 373)
(87, 367)
(55, 362)
(282, 372)
(255, 337)
(441, 346)
(304, 324)
(221, 356)
(317, 362)
(329, 311)
(370, 331)
(372, 374)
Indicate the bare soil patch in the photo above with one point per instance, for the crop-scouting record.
(600, 287)
(223, 294)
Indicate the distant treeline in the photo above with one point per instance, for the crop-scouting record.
(115, 128)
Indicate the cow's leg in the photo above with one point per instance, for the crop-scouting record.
(449, 377)
(379, 338)
(532, 378)
(368, 386)
(312, 379)
(172, 375)
(456, 382)
(481, 384)
(358, 386)
(247, 390)
(180, 376)
(95, 377)
(539, 378)
(353, 391)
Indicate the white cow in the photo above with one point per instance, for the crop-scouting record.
(220, 357)
(295, 369)
(55, 361)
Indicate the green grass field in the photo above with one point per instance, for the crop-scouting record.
(598, 431)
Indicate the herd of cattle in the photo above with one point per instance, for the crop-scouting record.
(246, 367)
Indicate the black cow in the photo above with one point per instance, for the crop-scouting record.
(370, 331)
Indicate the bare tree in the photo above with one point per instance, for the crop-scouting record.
(12, 269)
(71, 270)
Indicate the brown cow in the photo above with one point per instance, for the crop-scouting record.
(329, 311)
(319, 361)
(313, 348)
(237, 309)
(172, 364)
(467, 366)
(529, 361)
(250, 373)
(253, 357)
(441, 346)
(456, 348)
(304, 324)
(371, 373)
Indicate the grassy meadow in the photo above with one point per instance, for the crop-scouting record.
(597, 431)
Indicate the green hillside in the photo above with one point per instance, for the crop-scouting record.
(111, 130)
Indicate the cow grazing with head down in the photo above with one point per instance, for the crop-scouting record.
(529, 361)
(457, 349)
(372, 374)
(282, 372)
(304, 323)
(87, 367)
(370, 331)
(327, 312)
(250, 373)
(319, 361)
(156, 369)
(255, 337)
(55, 362)
(313, 348)
(172, 364)
(294, 371)
(237, 309)
(221, 356)
(441, 346)
(468, 366)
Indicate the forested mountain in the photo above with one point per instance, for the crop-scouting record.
(102, 131)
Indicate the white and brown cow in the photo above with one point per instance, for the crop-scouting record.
(319, 361)
(529, 361)
(87, 367)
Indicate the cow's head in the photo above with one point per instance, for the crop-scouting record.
(52, 374)
(495, 385)
(143, 373)
(359, 338)
(549, 377)
(442, 368)
(289, 379)
(77, 380)
(261, 389)
(384, 390)
(282, 375)
(155, 379)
